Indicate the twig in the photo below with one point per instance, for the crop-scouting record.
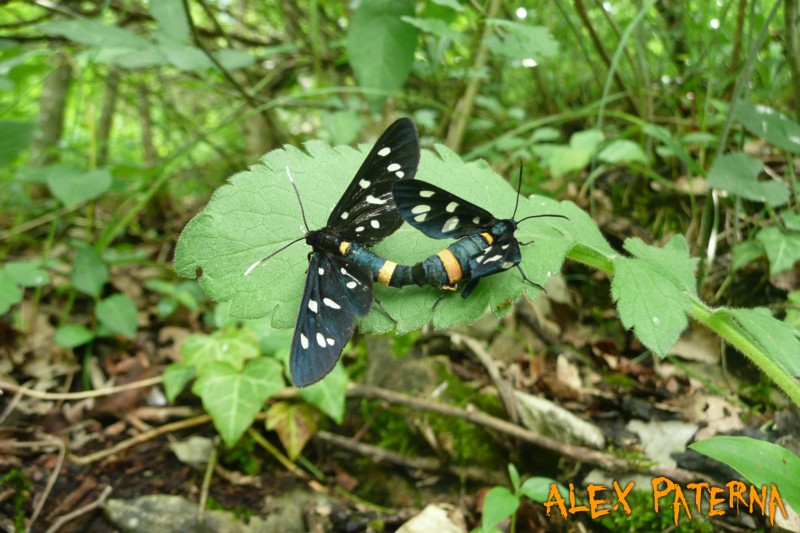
(575, 452)
(142, 437)
(99, 502)
(212, 462)
(503, 386)
(78, 395)
(415, 463)
(276, 453)
(62, 450)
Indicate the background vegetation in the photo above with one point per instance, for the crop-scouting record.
(671, 125)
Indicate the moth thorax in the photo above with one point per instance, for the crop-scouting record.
(324, 240)
(504, 228)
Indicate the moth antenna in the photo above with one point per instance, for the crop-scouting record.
(542, 216)
(279, 250)
(519, 188)
(302, 211)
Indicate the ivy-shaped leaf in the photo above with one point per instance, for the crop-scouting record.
(89, 272)
(74, 188)
(232, 346)
(499, 504)
(72, 335)
(653, 291)
(622, 151)
(257, 213)
(176, 377)
(518, 40)
(295, 424)
(233, 398)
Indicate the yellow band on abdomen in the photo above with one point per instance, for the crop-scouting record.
(344, 247)
(385, 273)
(451, 266)
(488, 237)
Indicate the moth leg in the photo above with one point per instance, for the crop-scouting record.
(526, 278)
(385, 312)
(526, 243)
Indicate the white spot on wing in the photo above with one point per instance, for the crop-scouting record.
(375, 224)
(377, 201)
(321, 271)
(507, 265)
(421, 218)
(383, 152)
(330, 341)
(476, 220)
(364, 184)
(494, 258)
(421, 208)
(352, 284)
(451, 207)
(359, 229)
(304, 341)
(345, 215)
(321, 340)
(426, 194)
(312, 304)
(393, 167)
(399, 173)
(450, 224)
(330, 303)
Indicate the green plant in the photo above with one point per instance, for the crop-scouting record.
(501, 503)
(21, 486)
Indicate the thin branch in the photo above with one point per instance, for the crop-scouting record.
(149, 382)
(142, 437)
(427, 464)
(98, 503)
(51, 480)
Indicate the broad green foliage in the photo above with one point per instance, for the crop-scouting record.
(118, 314)
(738, 174)
(14, 138)
(775, 337)
(72, 335)
(28, 273)
(519, 41)
(295, 424)
(773, 126)
(653, 291)
(233, 346)
(782, 247)
(78, 186)
(233, 398)
(10, 291)
(89, 272)
(257, 213)
(498, 504)
(127, 49)
(760, 462)
(380, 46)
(328, 395)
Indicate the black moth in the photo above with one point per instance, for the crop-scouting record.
(338, 289)
(486, 244)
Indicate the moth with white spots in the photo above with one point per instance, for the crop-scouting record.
(486, 245)
(338, 288)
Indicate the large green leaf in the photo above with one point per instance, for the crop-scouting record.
(782, 247)
(328, 395)
(93, 32)
(233, 398)
(295, 424)
(519, 41)
(653, 291)
(499, 504)
(776, 338)
(257, 213)
(775, 127)
(171, 18)
(760, 462)
(738, 174)
(231, 346)
(117, 313)
(380, 46)
(74, 188)
(10, 292)
(89, 272)
(14, 138)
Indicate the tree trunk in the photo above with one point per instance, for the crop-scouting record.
(50, 121)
